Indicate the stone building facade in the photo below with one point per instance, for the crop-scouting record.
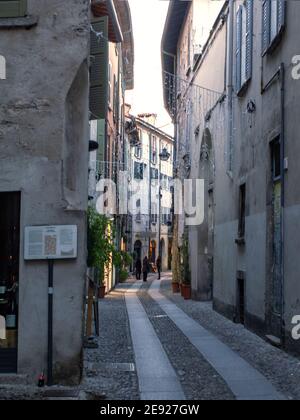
(44, 147)
(242, 141)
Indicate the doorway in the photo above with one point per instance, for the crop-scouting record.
(152, 252)
(241, 299)
(277, 252)
(9, 279)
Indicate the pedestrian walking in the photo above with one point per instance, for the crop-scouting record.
(138, 269)
(158, 267)
(146, 269)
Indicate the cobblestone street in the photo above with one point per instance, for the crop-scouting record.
(146, 350)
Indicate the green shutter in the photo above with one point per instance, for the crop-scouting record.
(99, 69)
(13, 8)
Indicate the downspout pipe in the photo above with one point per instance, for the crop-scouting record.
(230, 84)
(282, 155)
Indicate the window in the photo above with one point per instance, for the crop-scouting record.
(13, 8)
(138, 171)
(109, 82)
(154, 150)
(276, 160)
(154, 219)
(244, 44)
(273, 22)
(242, 212)
(154, 173)
(116, 99)
(138, 151)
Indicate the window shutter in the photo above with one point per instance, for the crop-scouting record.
(249, 38)
(266, 16)
(239, 48)
(281, 15)
(13, 8)
(99, 69)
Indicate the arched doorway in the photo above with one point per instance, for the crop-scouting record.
(205, 248)
(152, 252)
(138, 250)
(170, 255)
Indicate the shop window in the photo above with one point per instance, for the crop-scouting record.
(9, 280)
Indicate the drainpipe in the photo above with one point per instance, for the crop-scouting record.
(230, 85)
(282, 154)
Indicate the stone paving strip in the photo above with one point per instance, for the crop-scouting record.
(110, 369)
(157, 378)
(245, 382)
(198, 379)
(278, 366)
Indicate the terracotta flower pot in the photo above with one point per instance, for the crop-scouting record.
(186, 291)
(101, 292)
(175, 288)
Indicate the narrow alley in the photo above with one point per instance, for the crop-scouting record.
(156, 346)
(149, 202)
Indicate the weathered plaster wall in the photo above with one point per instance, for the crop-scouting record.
(44, 154)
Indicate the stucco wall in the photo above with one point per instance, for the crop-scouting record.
(252, 164)
(44, 154)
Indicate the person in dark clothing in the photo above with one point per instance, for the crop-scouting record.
(158, 267)
(138, 269)
(145, 269)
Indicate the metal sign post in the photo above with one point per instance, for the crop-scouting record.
(50, 243)
(50, 322)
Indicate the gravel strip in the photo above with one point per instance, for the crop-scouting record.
(115, 346)
(198, 379)
(279, 367)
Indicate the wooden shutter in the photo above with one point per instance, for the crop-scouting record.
(249, 38)
(239, 22)
(266, 16)
(13, 8)
(281, 15)
(99, 69)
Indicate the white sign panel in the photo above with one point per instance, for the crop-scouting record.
(50, 242)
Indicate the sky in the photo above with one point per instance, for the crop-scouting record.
(148, 18)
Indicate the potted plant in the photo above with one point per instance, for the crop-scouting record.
(123, 275)
(122, 260)
(186, 290)
(175, 287)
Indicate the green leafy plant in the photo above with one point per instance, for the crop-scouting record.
(123, 275)
(102, 251)
(185, 262)
(100, 243)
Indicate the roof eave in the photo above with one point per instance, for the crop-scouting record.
(107, 8)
